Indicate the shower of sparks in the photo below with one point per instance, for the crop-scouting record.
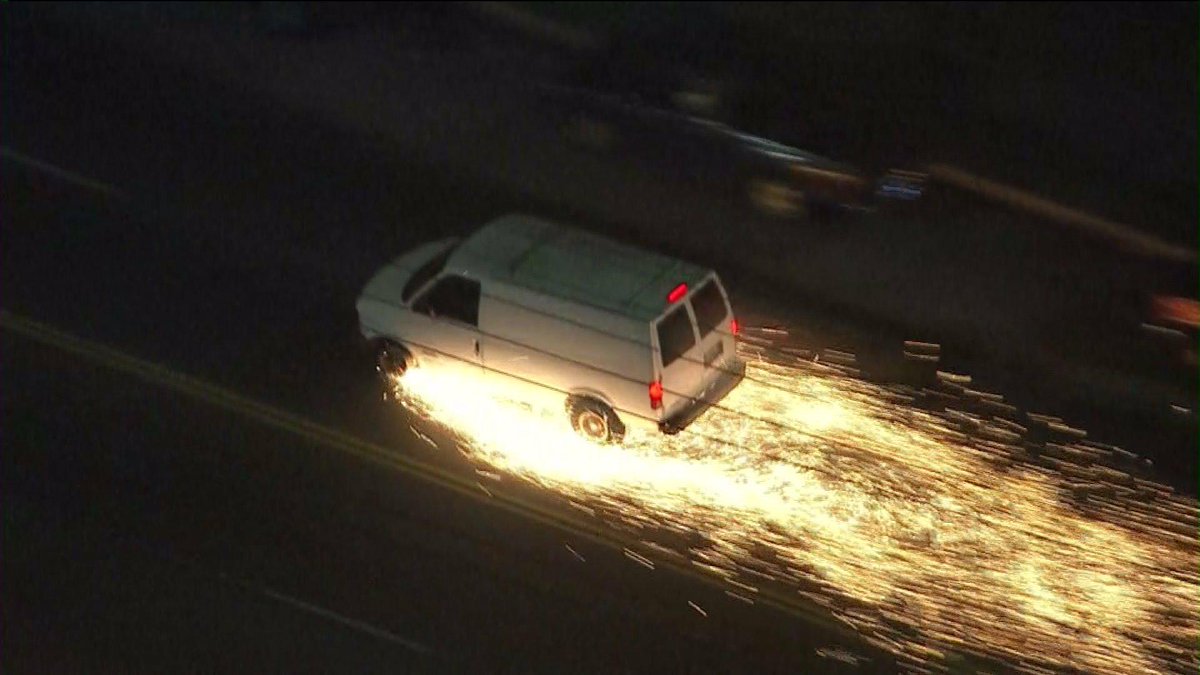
(930, 533)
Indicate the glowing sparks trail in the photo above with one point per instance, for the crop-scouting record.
(928, 539)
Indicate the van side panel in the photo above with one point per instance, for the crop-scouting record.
(529, 341)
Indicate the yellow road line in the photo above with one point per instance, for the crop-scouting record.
(159, 375)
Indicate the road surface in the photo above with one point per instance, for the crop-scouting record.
(199, 226)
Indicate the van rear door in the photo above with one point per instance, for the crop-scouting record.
(714, 319)
(679, 358)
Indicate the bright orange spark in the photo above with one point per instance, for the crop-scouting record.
(926, 539)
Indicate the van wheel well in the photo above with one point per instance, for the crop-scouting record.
(391, 359)
(594, 419)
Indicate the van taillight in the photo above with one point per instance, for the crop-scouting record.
(656, 394)
(676, 293)
(734, 327)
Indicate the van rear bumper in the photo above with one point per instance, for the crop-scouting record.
(733, 374)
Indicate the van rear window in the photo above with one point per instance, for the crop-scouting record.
(709, 305)
(675, 335)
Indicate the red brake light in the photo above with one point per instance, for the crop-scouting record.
(734, 327)
(656, 393)
(677, 293)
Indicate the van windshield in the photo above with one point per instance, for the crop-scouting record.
(426, 272)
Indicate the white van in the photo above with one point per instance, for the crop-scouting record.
(618, 335)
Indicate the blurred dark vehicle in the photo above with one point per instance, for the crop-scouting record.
(688, 122)
(1172, 313)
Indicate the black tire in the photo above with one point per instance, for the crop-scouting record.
(594, 420)
(391, 360)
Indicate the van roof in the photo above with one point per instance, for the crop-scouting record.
(571, 264)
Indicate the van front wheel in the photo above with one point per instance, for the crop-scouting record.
(594, 420)
(391, 361)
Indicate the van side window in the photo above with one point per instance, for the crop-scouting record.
(675, 335)
(452, 297)
(710, 309)
(426, 272)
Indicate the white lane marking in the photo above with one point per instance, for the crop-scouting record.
(59, 172)
(575, 553)
(639, 559)
(347, 621)
(839, 654)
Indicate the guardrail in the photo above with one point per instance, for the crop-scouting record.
(1125, 236)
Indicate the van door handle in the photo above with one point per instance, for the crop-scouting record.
(477, 348)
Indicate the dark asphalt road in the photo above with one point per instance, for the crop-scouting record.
(242, 237)
(235, 254)
(149, 533)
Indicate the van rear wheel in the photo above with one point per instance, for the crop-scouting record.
(594, 420)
